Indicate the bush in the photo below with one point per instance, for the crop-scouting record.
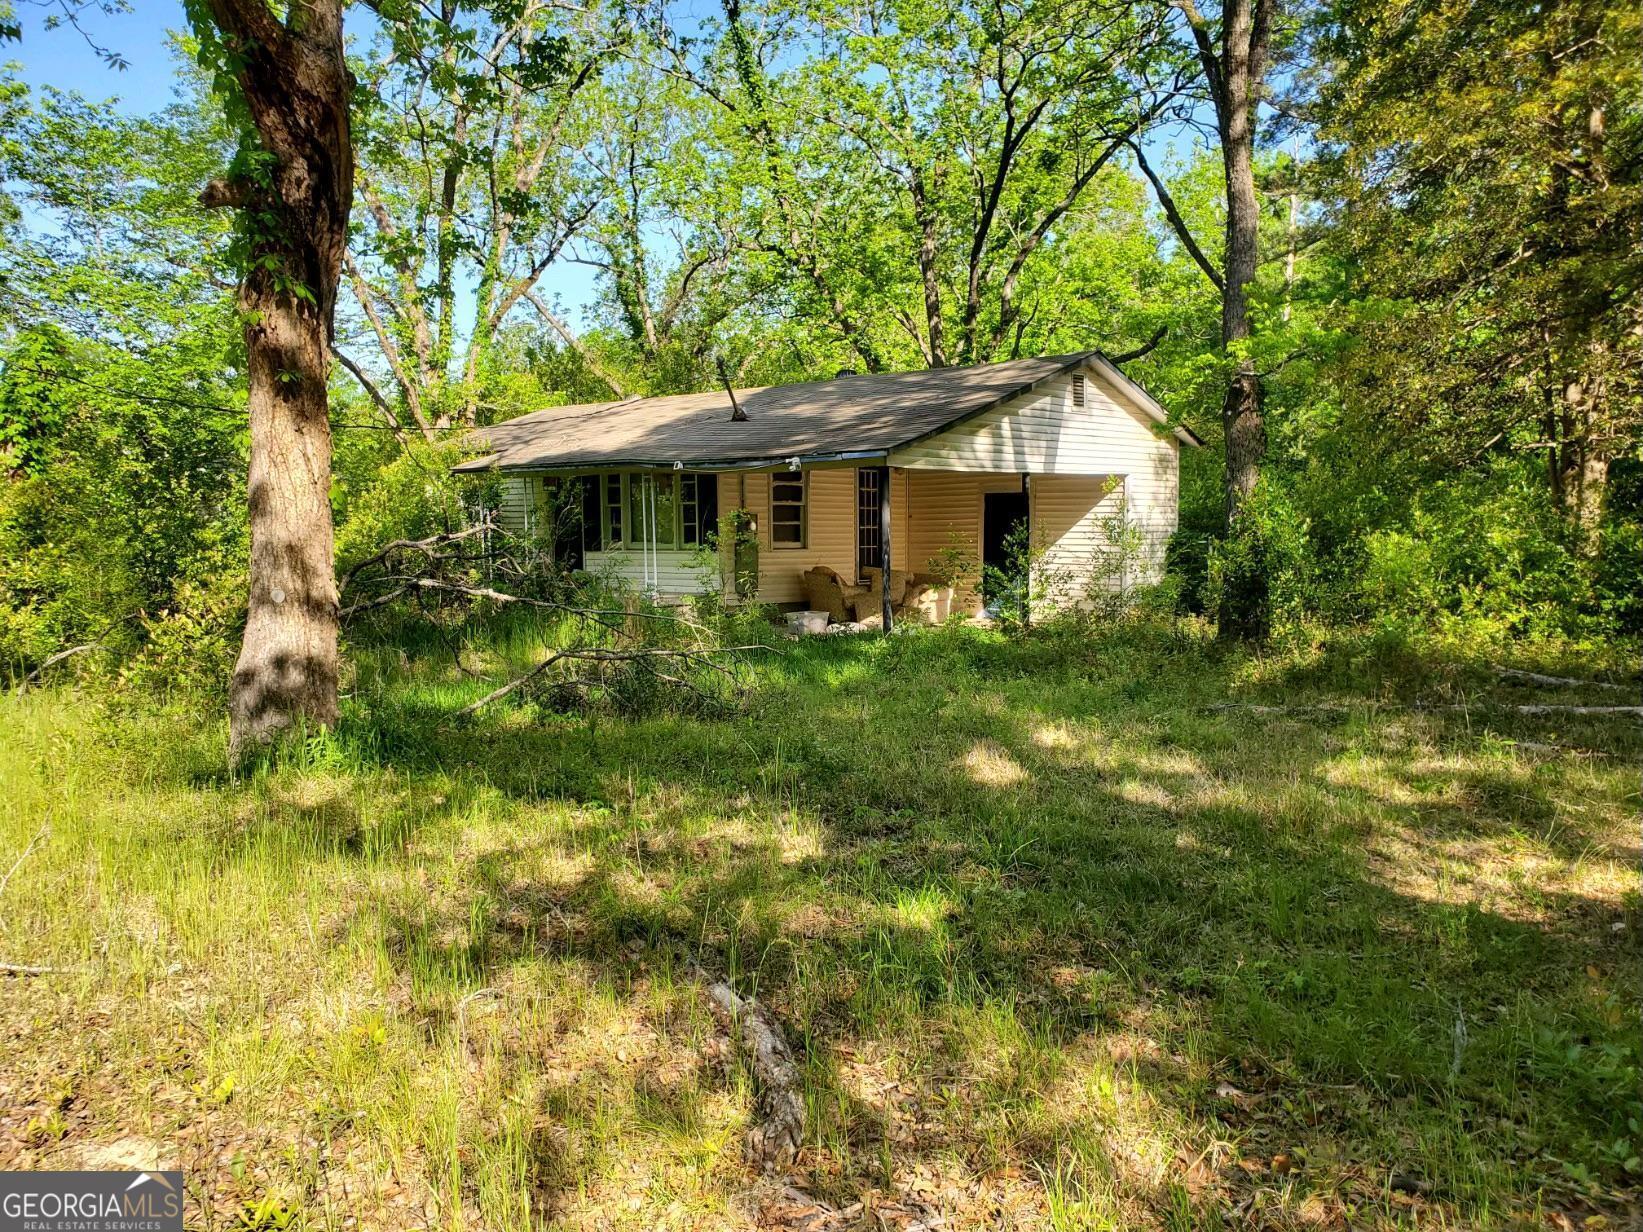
(1263, 566)
(1492, 556)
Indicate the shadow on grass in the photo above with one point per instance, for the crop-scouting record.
(1006, 860)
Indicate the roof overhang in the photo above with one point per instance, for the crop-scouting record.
(1138, 399)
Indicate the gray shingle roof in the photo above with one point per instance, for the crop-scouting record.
(850, 415)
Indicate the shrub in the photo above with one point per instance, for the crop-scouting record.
(1263, 564)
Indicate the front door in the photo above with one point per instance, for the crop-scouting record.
(1003, 535)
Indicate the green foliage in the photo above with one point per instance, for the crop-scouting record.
(1263, 564)
(1491, 557)
(407, 494)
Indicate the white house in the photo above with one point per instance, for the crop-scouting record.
(850, 472)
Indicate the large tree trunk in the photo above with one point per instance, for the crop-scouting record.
(287, 669)
(1580, 464)
(1245, 608)
(296, 88)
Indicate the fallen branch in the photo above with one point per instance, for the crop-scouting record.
(53, 660)
(775, 1139)
(1543, 709)
(1341, 707)
(39, 836)
(1556, 682)
(426, 547)
(20, 970)
(699, 658)
(610, 618)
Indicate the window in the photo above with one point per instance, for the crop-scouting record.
(869, 503)
(653, 496)
(684, 505)
(698, 508)
(1078, 389)
(787, 510)
(613, 510)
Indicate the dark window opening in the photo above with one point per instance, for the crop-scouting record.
(699, 507)
(787, 510)
(869, 504)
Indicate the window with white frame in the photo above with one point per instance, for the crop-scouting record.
(787, 509)
(612, 503)
(698, 508)
(666, 510)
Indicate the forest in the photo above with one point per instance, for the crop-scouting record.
(376, 869)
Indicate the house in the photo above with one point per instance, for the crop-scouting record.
(849, 473)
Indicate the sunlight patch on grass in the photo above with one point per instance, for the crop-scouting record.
(1102, 977)
(988, 765)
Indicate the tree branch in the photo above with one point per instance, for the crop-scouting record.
(1145, 348)
(1176, 220)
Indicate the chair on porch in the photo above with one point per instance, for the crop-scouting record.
(826, 591)
(921, 595)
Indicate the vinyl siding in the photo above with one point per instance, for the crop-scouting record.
(830, 529)
(1069, 514)
(677, 573)
(520, 496)
(1041, 433)
(1086, 464)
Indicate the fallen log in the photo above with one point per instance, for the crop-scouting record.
(21, 969)
(1342, 707)
(773, 1142)
(1556, 682)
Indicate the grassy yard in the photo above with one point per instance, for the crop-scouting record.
(1059, 943)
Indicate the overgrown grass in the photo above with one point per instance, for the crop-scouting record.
(1060, 944)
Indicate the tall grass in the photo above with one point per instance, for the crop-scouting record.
(1057, 942)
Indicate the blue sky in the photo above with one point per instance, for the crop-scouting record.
(63, 58)
(66, 59)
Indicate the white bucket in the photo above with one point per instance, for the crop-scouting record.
(807, 622)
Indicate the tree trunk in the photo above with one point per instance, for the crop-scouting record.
(287, 669)
(296, 88)
(1580, 465)
(1245, 608)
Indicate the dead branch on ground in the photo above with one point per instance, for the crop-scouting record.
(775, 1139)
(1556, 682)
(1343, 707)
(506, 570)
(53, 660)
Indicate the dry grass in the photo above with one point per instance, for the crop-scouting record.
(1057, 947)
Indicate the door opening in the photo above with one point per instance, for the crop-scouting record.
(1004, 521)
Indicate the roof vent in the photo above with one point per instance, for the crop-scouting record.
(633, 397)
(1078, 389)
(846, 372)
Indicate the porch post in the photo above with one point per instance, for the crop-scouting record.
(884, 543)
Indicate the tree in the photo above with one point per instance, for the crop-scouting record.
(908, 170)
(1233, 50)
(1484, 161)
(292, 181)
(665, 236)
(121, 409)
(467, 174)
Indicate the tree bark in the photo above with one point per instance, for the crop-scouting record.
(296, 87)
(1235, 75)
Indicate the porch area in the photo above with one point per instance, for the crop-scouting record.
(824, 534)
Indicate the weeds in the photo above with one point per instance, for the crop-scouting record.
(1053, 941)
